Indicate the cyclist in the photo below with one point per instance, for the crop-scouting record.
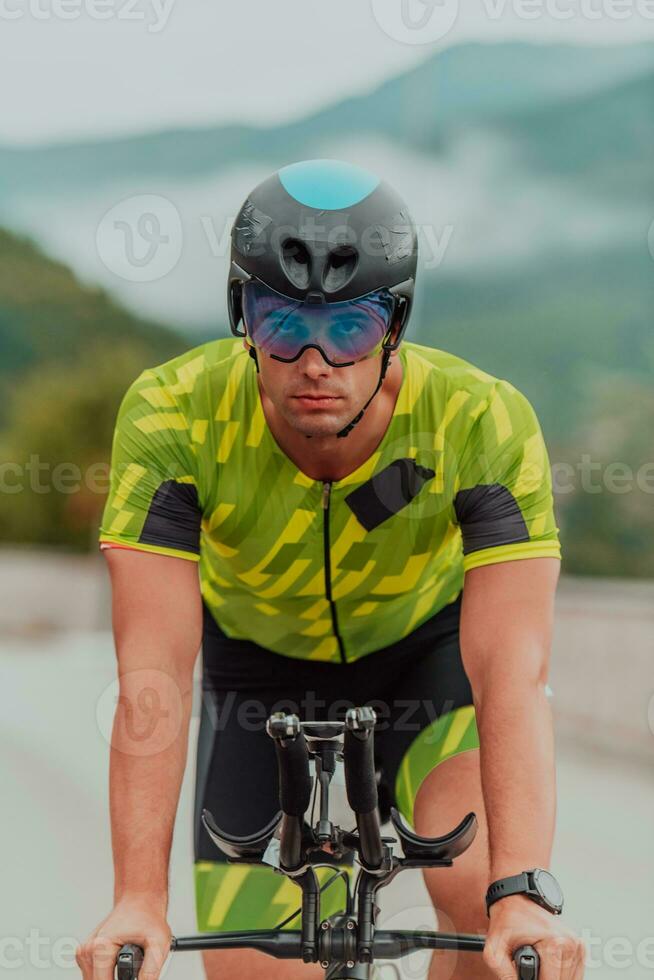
(373, 524)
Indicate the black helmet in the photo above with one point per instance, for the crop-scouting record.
(325, 231)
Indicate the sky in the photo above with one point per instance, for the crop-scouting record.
(72, 69)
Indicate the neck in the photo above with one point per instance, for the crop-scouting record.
(328, 458)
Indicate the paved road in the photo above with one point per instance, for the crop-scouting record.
(56, 859)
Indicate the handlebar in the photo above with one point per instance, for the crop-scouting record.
(344, 938)
(387, 945)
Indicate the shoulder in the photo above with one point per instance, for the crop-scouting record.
(450, 369)
(181, 373)
(185, 379)
(456, 376)
(469, 399)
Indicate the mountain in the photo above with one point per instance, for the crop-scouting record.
(552, 337)
(537, 157)
(606, 138)
(466, 84)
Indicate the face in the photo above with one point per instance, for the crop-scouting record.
(294, 390)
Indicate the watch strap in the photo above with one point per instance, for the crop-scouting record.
(512, 885)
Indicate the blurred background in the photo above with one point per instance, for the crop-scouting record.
(522, 136)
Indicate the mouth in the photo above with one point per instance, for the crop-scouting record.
(316, 401)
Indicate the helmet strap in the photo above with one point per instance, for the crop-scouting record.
(386, 356)
(253, 354)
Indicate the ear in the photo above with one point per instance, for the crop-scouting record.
(397, 326)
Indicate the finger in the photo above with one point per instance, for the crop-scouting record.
(83, 960)
(561, 958)
(103, 956)
(83, 956)
(498, 959)
(580, 967)
(156, 953)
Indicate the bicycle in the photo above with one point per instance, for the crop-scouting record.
(346, 944)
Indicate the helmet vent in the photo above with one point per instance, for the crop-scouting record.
(296, 262)
(339, 268)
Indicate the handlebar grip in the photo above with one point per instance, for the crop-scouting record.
(129, 961)
(294, 776)
(360, 782)
(527, 963)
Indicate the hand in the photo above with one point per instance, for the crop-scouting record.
(141, 920)
(517, 921)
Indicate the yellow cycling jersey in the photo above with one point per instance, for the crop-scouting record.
(328, 571)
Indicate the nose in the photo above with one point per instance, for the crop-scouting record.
(313, 364)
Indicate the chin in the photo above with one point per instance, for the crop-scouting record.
(325, 426)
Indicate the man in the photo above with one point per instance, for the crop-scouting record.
(373, 522)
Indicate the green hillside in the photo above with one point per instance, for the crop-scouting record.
(46, 314)
(549, 334)
(67, 355)
(605, 139)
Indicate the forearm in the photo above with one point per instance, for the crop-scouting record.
(518, 776)
(148, 757)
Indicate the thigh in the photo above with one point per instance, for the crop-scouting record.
(431, 719)
(447, 794)
(236, 779)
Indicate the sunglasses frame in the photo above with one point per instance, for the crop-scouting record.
(402, 293)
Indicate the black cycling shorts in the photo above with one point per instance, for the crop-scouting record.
(423, 701)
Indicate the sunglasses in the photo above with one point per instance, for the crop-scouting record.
(344, 332)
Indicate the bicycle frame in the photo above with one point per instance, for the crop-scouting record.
(347, 944)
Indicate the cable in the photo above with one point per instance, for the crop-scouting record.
(313, 801)
(323, 888)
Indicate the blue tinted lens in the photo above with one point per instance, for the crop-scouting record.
(345, 332)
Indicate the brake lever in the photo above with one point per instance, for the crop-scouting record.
(527, 963)
(129, 962)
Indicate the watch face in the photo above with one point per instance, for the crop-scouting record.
(549, 888)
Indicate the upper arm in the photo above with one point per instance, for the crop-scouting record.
(156, 609)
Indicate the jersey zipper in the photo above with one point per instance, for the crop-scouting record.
(326, 496)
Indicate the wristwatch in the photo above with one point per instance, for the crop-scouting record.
(538, 885)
